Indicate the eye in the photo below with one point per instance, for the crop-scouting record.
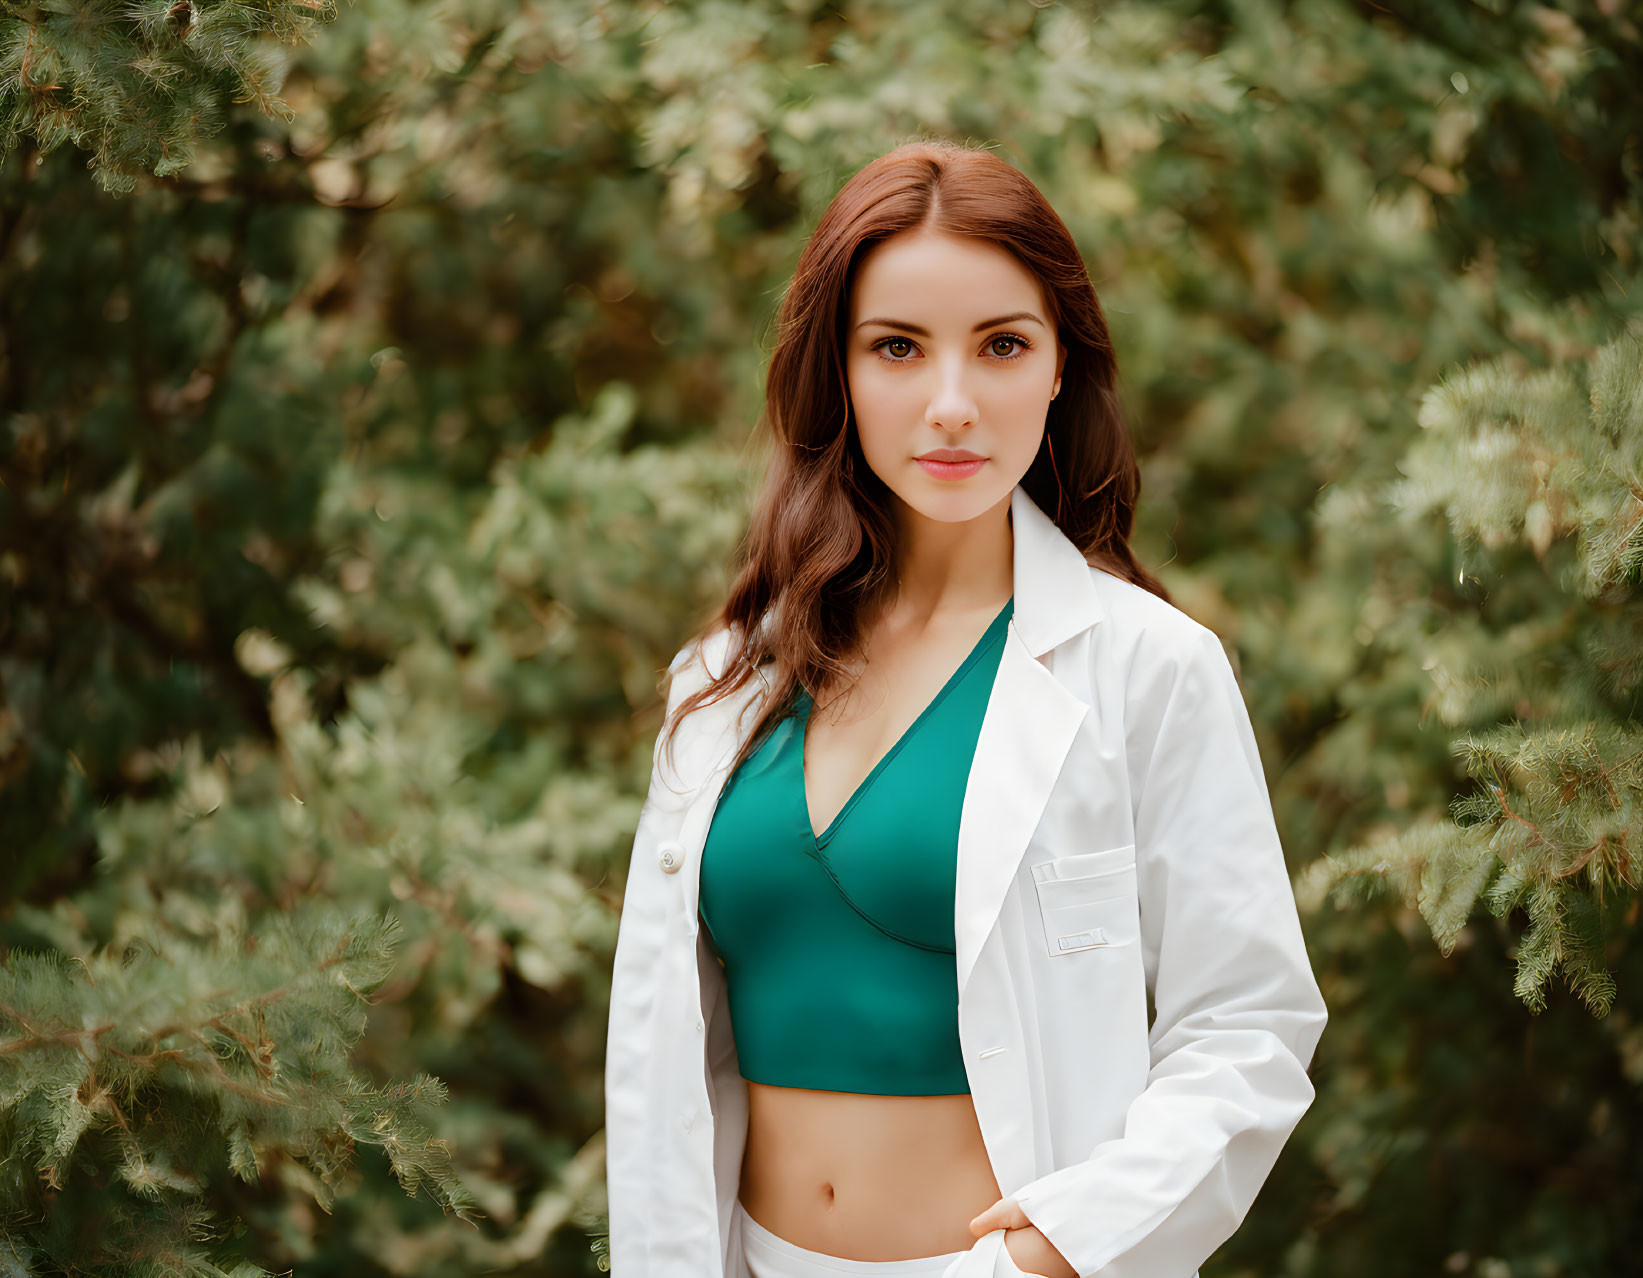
(884, 344)
(1021, 342)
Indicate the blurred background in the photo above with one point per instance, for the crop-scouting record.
(378, 391)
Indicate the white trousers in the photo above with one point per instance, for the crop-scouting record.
(771, 1256)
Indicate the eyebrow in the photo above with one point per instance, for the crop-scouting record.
(992, 323)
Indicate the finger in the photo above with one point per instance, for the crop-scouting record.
(1004, 1214)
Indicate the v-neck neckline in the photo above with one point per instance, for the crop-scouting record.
(974, 655)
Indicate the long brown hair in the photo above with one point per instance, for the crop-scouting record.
(819, 553)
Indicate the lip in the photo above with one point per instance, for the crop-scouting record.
(950, 463)
(950, 455)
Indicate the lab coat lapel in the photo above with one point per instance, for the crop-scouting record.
(1027, 729)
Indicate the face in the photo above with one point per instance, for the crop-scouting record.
(949, 348)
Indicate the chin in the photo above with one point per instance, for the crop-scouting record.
(952, 501)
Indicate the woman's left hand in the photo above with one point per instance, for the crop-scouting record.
(1030, 1250)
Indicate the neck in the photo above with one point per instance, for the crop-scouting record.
(953, 567)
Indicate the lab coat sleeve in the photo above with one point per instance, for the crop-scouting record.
(1238, 1010)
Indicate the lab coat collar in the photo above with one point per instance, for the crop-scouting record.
(1055, 594)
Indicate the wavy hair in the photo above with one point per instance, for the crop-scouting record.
(820, 551)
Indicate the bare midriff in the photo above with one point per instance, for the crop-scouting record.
(865, 1177)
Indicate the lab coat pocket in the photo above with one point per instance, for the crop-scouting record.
(1087, 900)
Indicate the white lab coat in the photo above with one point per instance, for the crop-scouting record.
(1136, 1007)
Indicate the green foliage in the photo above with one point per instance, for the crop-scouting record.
(1524, 458)
(140, 83)
(164, 1069)
(361, 469)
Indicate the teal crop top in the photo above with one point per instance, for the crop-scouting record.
(838, 949)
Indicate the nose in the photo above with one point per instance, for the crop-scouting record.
(952, 406)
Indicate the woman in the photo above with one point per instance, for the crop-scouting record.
(957, 792)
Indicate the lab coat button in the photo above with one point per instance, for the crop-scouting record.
(671, 854)
(689, 1120)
